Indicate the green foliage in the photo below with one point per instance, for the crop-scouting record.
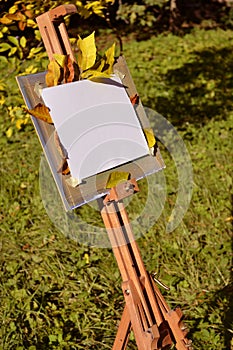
(21, 40)
(142, 14)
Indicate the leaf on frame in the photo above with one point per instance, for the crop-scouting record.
(94, 75)
(40, 111)
(64, 167)
(110, 59)
(71, 71)
(134, 99)
(87, 52)
(116, 177)
(60, 59)
(150, 137)
(53, 76)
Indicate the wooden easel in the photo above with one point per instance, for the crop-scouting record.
(146, 313)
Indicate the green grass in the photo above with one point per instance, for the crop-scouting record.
(58, 294)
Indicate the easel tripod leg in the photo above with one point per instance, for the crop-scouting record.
(123, 333)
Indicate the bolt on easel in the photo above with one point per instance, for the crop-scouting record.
(146, 313)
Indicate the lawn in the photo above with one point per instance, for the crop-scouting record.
(57, 293)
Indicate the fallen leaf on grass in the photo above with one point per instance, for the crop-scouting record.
(71, 71)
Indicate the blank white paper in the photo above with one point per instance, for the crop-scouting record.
(97, 125)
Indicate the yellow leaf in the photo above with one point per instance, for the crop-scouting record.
(94, 75)
(2, 100)
(87, 52)
(41, 112)
(87, 259)
(19, 123)
(53, 76)
(60, 59)
(99, 66)
(31, 23)
(79, 3)
(9, 132)
(117, 177)
(150, 137)
(23, 41)
(110, 58)
(13, 9)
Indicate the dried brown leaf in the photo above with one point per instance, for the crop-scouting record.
(40, 111)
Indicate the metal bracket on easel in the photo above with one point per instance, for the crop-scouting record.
(146, 313)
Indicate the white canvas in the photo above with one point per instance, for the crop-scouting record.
(97, 125)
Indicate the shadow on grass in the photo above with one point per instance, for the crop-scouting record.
(200, 90)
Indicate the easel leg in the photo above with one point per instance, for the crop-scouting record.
(141, 305)
(123, 332)
(155, 325)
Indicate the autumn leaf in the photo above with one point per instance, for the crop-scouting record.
(117, 177)
(60, 59)
(87, 52)
(134, 99)
(22, 25)
(71, 71)
(64, 168)
(110, 59)
(5, 20)
(40, 111)
(150, 137)
(94, 75)
(53, 76)
(102, 68)
(18, 16)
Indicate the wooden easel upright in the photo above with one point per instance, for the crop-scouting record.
(146, 313)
